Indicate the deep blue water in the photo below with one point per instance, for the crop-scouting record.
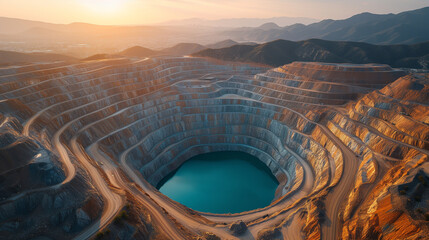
(221, 182)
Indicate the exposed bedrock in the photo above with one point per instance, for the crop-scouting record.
(332, 134)
(33, 200)
(25, 162)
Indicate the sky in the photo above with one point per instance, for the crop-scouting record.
(141, 12)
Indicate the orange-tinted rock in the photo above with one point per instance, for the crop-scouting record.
(317, 127)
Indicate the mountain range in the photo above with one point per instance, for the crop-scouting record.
(180, 49)
(282, 52)
(273, 53)
(403, 28)
(240, 22)
(81, 40)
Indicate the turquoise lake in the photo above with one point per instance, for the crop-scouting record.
(221, 182)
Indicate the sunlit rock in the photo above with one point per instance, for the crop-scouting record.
(85, 144)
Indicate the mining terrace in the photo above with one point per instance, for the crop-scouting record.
(82, 146)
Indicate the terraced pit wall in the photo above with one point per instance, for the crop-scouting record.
(302, 120)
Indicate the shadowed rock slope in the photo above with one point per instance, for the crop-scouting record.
(282, 52)
(348, 144)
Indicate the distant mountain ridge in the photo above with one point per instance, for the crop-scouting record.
(180, 49)
(241, 22)
(274, 53)
(282, 52)
(15, 25)
(403, 28)
(82, 39)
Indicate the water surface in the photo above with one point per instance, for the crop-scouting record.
(221, 182)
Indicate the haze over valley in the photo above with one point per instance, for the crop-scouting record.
(83, 40)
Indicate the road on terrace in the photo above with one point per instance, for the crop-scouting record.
(112, 201)
(338, 196)
(159, 217)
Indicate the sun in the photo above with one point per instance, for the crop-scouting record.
(104, 6)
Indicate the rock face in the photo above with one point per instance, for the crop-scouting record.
(82, 218)
(343, 140)
(210, 236)
(238, 228)
(269, 234)
(397, 206)
(35, 195)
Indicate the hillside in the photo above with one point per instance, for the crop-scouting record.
(222, 44)
(404, 28)
(180, 49)
(281, 52)
(138, 51)
(13, 25)
(101, 56)
(9, 57)
(183, 49)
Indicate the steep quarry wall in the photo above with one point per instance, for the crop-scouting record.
(34, 191)
(328, 132)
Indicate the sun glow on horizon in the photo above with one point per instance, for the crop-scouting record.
(104, 6)
(136, 12)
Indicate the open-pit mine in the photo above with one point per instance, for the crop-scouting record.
(84, 145)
